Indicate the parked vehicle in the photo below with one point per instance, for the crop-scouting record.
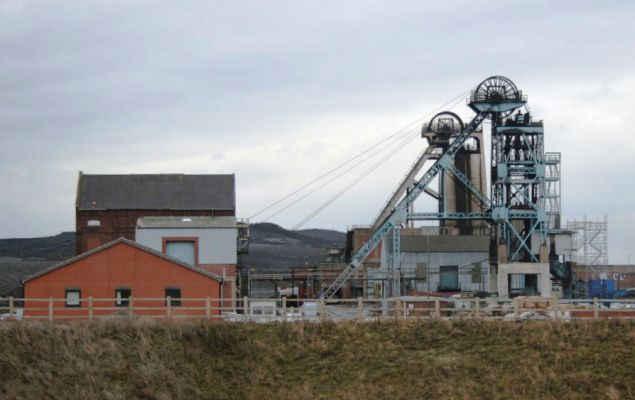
(17, 315)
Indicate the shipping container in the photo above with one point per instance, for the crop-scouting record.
(602, 288)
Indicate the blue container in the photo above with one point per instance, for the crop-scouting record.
(601, 288)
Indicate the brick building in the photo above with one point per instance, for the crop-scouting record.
(107, 207)
(116, 272)
(209, 243)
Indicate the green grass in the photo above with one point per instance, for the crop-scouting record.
(459, 360)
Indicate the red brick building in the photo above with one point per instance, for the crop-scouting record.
(116, 272)
(107, 207)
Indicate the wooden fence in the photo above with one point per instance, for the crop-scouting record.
(286, 310)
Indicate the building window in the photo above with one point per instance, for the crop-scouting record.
(122, 297)
(73, 297)
(448, 278)
(477, 273)
(93, 222)
(421, 273)
(183, 249)
(174, 293)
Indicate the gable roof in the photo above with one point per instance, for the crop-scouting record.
(114, 243)
(155, 192)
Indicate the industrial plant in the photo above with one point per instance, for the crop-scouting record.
(495, 235)
(496, 230)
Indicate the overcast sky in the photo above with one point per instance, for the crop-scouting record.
(278, 92)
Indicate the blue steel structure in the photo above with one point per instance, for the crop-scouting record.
(516, 209)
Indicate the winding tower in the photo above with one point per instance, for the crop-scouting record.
(517, 173)
(516, 210)
(454, 196)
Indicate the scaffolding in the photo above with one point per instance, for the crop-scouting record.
(552, 190)
(590, 241)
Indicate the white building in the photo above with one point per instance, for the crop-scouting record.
(210, 243)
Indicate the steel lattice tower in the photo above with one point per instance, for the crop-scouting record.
(517, 208)
(517, 174)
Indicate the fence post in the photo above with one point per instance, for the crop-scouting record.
(360, 308)
(246, 308)
(322, 310)
(398, 309)
(50, 309)
(168, 307)
(130, 307)
(477, 308)
(208, 308)
(596, 308)
(11, 305)
(437, 309)
(90, 308)
(516, 306)
(284, 309)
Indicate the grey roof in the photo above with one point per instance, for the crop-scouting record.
(445, 244)
(130, 243)
(156, 192)
(186, 222)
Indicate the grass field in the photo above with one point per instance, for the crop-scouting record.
(459, 360)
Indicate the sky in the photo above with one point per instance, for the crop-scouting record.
(279, 92)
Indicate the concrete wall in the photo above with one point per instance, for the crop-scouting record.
(465, 262)
(215, 245)
(542, 269)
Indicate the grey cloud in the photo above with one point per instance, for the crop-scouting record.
(117, 86)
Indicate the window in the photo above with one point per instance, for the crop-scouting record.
(449, 278)
(73, 297)
(93, 223)
(183, 249)
(477, 273)
(421, 273)
(174, 293)
(122, 297)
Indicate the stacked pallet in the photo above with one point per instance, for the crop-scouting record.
(536, 302)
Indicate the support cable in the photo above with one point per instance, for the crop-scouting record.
(400, 134)
(333, 178)
(361, 177)
(391, 139)
(352, 184)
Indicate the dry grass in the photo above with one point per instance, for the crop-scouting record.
(460, 360)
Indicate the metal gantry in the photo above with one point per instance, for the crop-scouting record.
(517, 205)
(517, 177)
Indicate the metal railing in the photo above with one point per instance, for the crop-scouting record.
(291, 309)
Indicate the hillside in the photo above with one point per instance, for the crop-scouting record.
(13, 270)
(58, 247)
(22, 257)
(434, 360)
(272, 248)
